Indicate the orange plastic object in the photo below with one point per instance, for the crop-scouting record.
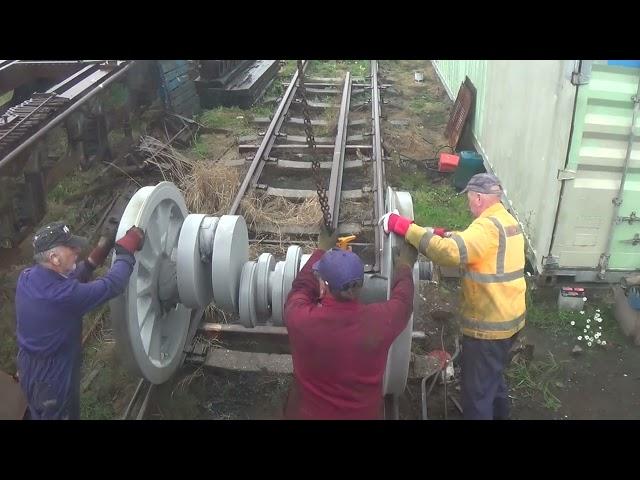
(448, 162)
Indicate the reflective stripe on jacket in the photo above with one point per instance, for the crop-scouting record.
(491, 254)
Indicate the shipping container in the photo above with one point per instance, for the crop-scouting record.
(559, 134)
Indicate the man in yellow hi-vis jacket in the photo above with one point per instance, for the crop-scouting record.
(491, 254)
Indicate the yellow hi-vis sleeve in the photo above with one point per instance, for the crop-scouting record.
(460, 249)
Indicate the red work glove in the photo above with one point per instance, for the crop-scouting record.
(392, 222)
(99, 254)
(440, 231)
(132, 241)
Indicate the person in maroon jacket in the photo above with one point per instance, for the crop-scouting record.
(339, 345)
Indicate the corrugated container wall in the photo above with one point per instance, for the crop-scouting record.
(521, 126)
(599, 225)
(562, 152)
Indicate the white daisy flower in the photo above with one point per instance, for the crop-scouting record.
(585, 330)
(588, 320)
(598, 341)
(581, 312)
(572, 322)
(579, 337)
(584, 299)
(588, 326)
(604, 342)
(597, 309)
(589, 343)
(599, 327)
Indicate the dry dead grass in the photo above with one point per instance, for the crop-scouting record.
(260, 209)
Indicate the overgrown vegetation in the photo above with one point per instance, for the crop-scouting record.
(8, 347)
(436, 204)
(544, 313)
(534, 380)
(5, 97)
(233, 119)
(337, 68)
(106, 384)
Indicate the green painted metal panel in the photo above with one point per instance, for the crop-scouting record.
(602, 126)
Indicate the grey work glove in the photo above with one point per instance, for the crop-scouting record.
(327, 240)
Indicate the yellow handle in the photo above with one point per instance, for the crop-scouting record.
(343, 242)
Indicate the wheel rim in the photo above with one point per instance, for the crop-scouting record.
(156, 324)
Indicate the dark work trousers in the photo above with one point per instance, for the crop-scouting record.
(484, 391)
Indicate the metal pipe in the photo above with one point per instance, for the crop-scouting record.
(133, 399)
(377, 159)
(426, 394)
(337, 168)
(145, 403)
(267, 142)
(54, 122)
(617, 201)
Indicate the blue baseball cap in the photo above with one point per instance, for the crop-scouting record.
(339, 268)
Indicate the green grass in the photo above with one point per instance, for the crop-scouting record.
(545, 314)
(5, 97)
(290, 66)
(73, 184)
(234, 119)
(261, 111)
(436, 204)
(335, 68)
(116, 97)
(112, 379)
(421, 103)
(8, 345)
(534, 380)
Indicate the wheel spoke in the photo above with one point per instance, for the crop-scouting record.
(146, 329)
(156, 340)
(145, 287)
(154, 232)
(163, 218)
(146, 262)
(171, 239)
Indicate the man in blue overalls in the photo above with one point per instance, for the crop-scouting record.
(51, 298)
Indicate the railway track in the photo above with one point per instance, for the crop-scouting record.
(344, 120)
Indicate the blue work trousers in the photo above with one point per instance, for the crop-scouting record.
(484, 391)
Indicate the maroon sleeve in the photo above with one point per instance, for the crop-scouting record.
(395, 312)
(304, 292)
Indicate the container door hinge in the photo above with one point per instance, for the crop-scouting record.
(635, 240)
(603, 264)
(581, 74)
(566, 174)
(631, 219)
(551, 262)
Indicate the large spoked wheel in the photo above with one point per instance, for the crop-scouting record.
(150, 324)
(397, 370)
